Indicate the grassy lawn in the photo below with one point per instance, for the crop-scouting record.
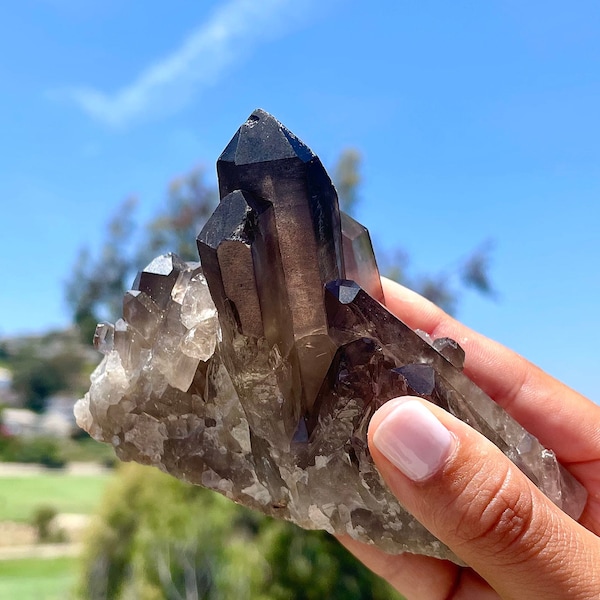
(87, 450)
(38, 579)
(20, 496)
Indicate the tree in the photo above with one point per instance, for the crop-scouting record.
(157, 537)
(189, 203)
(4, 353)
(444, 287)
(347, 178)
(95, 289)
(44, 366)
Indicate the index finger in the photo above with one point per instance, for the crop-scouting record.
(559, 417)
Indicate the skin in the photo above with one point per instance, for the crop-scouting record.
(518, 544)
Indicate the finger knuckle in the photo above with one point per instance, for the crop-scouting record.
(493, 512)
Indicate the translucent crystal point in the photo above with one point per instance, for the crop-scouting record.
(359, 258)
(104, 337)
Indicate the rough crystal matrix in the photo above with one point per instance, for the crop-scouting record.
(256, 373)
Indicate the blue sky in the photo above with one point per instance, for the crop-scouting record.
(476, 121)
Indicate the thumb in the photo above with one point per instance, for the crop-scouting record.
(470, 496)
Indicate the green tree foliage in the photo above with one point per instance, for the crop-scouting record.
(42, 519)
(95, 288)
(4, 353)
(44, 366)
(444, 287)
(157, 537)
(347, 179)
(189, 203)
(310, 565)
(45, 451)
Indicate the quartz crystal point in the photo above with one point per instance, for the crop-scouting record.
(256, 374)
(359, 257)
(271, 163)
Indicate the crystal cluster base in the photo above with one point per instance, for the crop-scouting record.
(256, 372)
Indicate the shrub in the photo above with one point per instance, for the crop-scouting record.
(42, 519)
(157, 537)
(42, 450)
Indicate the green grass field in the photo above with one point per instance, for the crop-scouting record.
(52, 578)
(20, 496)
(37, 579)
(87, 450)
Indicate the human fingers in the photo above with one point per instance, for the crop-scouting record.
(559, 417)
(421, 577)
(470, 496)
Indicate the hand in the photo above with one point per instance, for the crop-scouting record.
(467, 493)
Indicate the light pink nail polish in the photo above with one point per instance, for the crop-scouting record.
(413, 440)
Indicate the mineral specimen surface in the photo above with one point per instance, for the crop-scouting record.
(256, 372)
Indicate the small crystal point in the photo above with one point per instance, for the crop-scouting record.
(450, 350)
(104, 337)
(159, 277)
(140, 311)
(420, 378)
(359, 258)
(345, 290)
(225, 245)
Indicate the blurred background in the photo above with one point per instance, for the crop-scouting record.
(463, 135)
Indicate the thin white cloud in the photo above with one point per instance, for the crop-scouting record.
(170, 82)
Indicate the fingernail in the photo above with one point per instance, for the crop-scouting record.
(413, 440)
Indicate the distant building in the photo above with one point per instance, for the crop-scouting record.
(5, 378)
(58, 418)
(7, 396)
(20, 422)
(56, 421)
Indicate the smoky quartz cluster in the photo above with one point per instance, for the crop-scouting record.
(256, 371)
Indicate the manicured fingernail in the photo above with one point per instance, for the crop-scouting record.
(413, 440)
